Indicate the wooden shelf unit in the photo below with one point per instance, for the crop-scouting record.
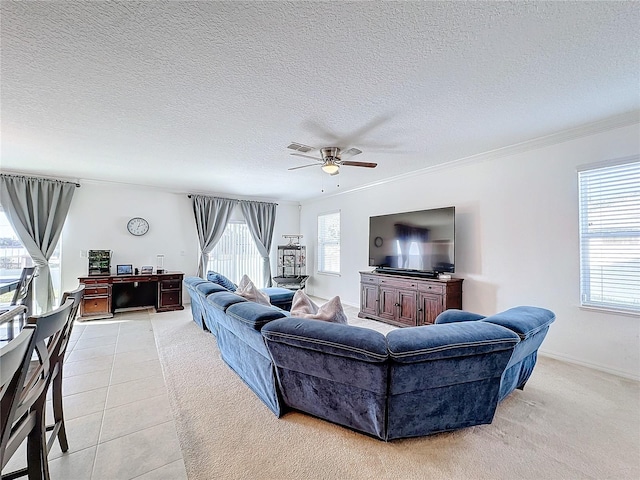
(407, 301)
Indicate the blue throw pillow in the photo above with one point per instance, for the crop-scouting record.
(220, 279)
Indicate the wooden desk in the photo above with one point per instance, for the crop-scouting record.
(105, 295)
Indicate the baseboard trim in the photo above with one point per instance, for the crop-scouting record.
(594, 366)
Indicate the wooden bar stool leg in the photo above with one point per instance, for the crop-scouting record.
(37, 464)
(58, 413)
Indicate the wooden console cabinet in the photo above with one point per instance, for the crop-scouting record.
(105, 295)
(407, 301)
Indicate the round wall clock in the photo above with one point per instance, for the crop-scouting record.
(137, 226)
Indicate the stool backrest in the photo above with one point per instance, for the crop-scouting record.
(24, 286)
(75, 295)
(49, 331)
(14, 363)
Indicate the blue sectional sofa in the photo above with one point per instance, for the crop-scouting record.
(412, 382)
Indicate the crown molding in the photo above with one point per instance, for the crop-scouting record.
(588, 129)
(91, 181)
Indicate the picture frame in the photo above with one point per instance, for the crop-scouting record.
(124, 269)
(146, 270)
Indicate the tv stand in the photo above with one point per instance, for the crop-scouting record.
(405, 300)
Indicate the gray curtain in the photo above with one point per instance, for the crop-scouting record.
(261, 217)
(37, 209)
(212, 215)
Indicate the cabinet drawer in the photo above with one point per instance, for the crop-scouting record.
(170, 284)
(169, 299)
(398, 283)
(95, 305)
(431, 287)
(369, 279)
(96, 290)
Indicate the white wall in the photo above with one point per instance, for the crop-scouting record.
(516, 241)
(98, 219)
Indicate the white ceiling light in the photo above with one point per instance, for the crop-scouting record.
(330, 168)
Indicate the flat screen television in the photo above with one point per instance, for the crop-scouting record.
(421, 242)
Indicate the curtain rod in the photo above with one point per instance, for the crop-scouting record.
(189, 195)
(40, 178)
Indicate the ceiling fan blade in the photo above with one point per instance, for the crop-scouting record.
(306, 156)
(303, 166)
(300, 147)
(350, 153)
(360, 164)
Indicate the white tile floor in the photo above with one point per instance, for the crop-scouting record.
(118, 418)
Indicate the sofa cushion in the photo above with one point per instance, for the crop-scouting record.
(191, 282)
(435, 342)
(453, 315)
(523, 320)
(207, 288)
(221, 280)
(331, 338)
(332, 311)
(279, 294)
(248, 290)
(222, 300)
(253, 314)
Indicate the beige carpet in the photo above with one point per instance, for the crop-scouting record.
(570, 422)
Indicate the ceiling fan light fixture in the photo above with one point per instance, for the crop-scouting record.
(330, 168)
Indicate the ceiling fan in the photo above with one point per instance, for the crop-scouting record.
(332, 158)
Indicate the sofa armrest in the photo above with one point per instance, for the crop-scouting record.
(524, 321)
(454, 316)
(326, 337)
(437, 342)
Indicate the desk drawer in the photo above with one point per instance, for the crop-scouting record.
(170, 284)
(96, 305)
(170, 299)
(95, 281)
(90, 291)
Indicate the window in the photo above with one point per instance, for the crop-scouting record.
(610, 236)
(236, 254)
(329, 243)
(14, 257)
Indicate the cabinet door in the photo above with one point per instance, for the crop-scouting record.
(429, 307)
(388, 303)
(407, 311)
(369, 299)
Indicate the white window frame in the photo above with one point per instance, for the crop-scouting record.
(321, 266)
(609, 207)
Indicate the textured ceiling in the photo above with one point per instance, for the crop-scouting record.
(205, 96)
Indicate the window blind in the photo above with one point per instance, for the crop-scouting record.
(610, 236)
(329, 243)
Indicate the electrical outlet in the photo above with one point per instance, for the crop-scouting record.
(83, 254)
